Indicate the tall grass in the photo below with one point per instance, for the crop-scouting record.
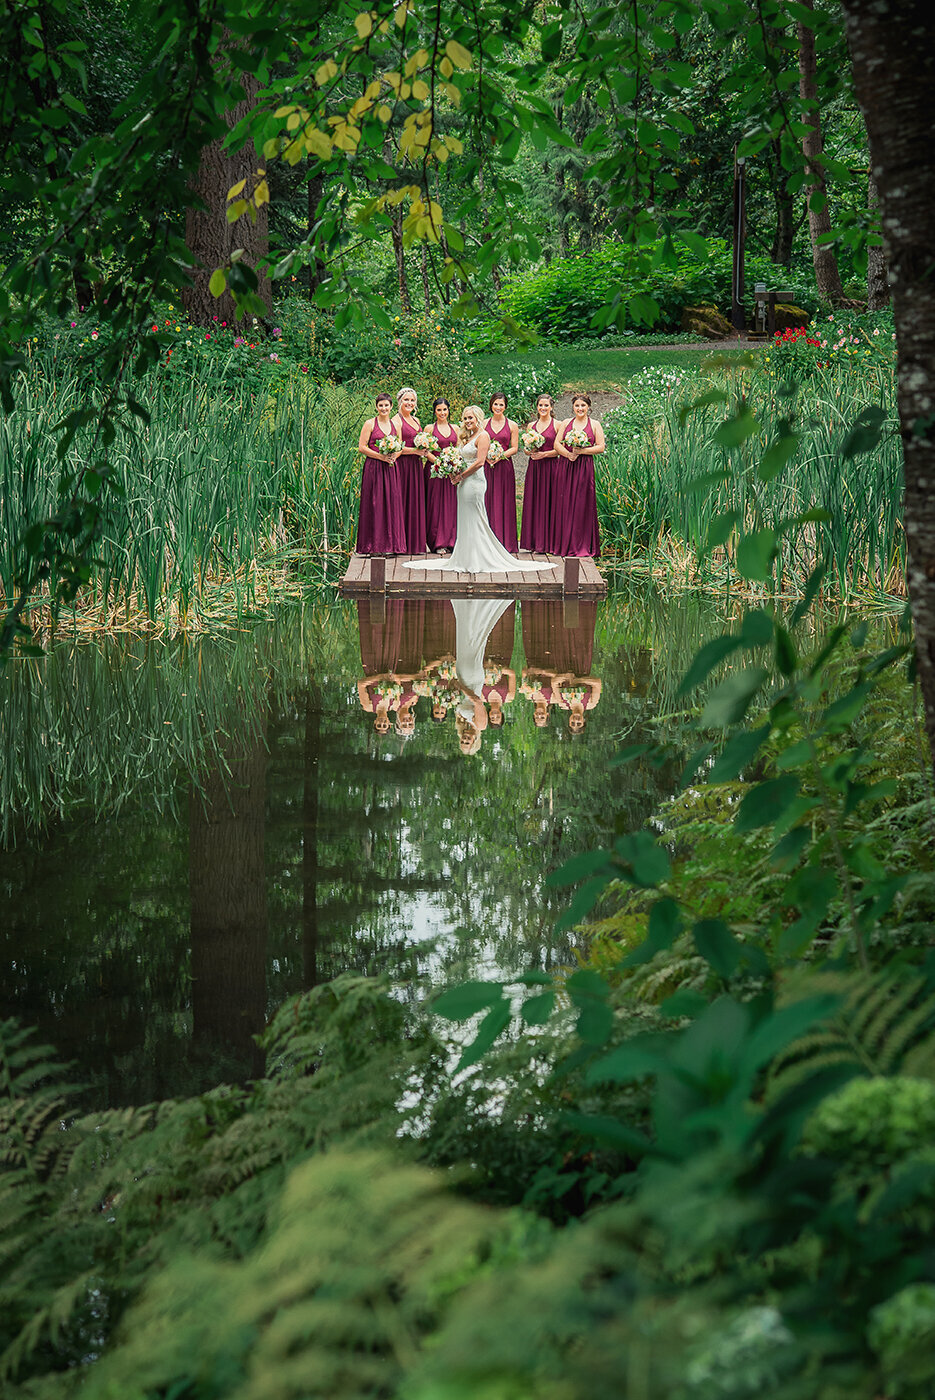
(657, 496)
(209, 504)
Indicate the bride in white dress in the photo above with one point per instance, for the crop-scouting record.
(477, 549)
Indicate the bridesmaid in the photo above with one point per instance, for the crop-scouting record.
(575, 525)
(441, 495)
(380, 528)
(537, 529)
(501, 476)
(411, 464)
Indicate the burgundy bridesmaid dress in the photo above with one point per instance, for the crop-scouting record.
(574, 522)
(536, 531)
(441, 501)
(380, 528)
(379, 641)
(412, 490)
(501, 491)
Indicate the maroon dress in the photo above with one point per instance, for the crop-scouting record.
(537, 529)
(441, 500)
(501, 491)
(575, 502)
(380, 522)
(412, 489)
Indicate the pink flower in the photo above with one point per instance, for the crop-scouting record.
(277, 331)
(303, 368)
(275, 357)
(240, 340)
(74, 323)
(207, 336)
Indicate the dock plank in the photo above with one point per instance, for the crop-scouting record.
(544, 582)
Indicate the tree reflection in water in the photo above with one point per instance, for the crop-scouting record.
(149, 928)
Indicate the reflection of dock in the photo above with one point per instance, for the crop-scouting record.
(558, 578)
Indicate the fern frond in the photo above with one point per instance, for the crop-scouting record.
(885, 1024)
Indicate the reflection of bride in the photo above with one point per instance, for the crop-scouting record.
(477, 549)
(475, 619)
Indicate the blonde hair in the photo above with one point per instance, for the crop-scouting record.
(406, 390)
(463, 725)
(463, 435)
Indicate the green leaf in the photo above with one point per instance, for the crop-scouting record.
(218, 283)
(843, 712)
(865, 432)
(732, 698)
(786, 657)
(756, 630)
(684, 1002)
(579, 867)
(602, 1128)
(537, 1010)
(718, 946)
(755, 554)
(720, 530)
(787, 853)
(705, 660)
(461, 1002)
(709, 397)
(777, 457)
(665, 924)
(766, 803)
(493, 1024)
(739, 752)
(634, 1060)
(736, 430)
(648, 862)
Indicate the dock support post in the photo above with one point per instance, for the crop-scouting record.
(377, 589)
(571, 583)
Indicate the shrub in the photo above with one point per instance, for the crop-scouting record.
(522, 383)
(649, 393)
(562, 299)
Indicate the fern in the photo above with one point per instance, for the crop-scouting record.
(885, 1025)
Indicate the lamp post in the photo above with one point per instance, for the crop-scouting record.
(737, 317)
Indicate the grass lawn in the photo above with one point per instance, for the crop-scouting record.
(598, 369)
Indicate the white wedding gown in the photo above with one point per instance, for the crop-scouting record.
(477, 549)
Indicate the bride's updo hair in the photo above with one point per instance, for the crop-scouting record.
(463, 435)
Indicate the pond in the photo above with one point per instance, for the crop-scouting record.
(196, 830)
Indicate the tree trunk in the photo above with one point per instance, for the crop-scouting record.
(878, 287)
(396, 216)
(316, 268)
(227, 885)
(893, 59)
(310, 835)
(424, 265)
(819, 220)
(784, 231)
(210, 238)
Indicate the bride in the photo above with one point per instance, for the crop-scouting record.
(477, 549)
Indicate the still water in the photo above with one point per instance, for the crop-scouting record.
(194, 831)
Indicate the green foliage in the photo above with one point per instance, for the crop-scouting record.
(522, 382)
(902, 1333)
(563, 300)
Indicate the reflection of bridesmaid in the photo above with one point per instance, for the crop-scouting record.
(575, 525)
(499, 678)
(438, 653)
(380, 522)
(390, 655)
(411, 465)
(557, 656)
(577, 694)
(501, 476)
(536, 533)
(441, 495)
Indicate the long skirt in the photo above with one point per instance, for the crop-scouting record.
(441, 513)
(380, 528)
(575, 528)
(501, 503)
(412, 489)
(536, 532)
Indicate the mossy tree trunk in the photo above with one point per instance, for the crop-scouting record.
(892, 45)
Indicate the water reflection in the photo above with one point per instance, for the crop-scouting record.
(223, 826)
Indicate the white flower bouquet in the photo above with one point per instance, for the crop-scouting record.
(450, 462)
(425, 441)
(495, 453)
(388, 446)
(575, 439)
(533, 441)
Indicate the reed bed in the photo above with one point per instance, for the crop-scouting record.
(657, 496)
(214, 508)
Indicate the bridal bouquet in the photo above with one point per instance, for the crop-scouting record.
(391, 691)
(533, 441)
(492, 674)
(450, 461)
(575, 439)
(425, 441)
(495, 453)
(573, 695)
(388, 446)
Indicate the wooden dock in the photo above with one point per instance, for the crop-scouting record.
(558, 578)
